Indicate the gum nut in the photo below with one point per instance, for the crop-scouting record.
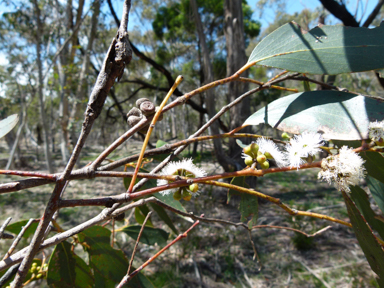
(193, 187)
(254, 148)
(148, 108)
(247, 150)
(285, 136)
(248, 161)
(186, 195)
(177, 195)
(261, 158)
(161, 115)
(264, 165)
(133, 120)
(268, 155)
(135, 112)
(141, 100)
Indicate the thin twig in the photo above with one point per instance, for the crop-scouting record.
(5, 224)
(18, 238)
(127, 278)
(242, 79)
(150, 129)
(137, 241)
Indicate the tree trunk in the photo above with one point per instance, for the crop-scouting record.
(236, 58)
(224, 161)
(82, 84)
(43, 117)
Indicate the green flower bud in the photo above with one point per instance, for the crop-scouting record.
(380, 142)
(248, 161)
(261, 158)
(38, 276)
(193, 187)
(254, 148)
(38, 268)
(186, 195)
(177, 195)
(268, 155)
(248, 150)
(264, 165)
(285, 136)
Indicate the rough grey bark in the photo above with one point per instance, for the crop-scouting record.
(236, 58)
(43, 117)
(209, 95)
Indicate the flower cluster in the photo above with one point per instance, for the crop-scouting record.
(184, 168)
(296, 151)
(344, 169)
(376, 132)
(301, 147)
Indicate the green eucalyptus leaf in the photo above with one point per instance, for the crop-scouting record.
(337, 115)
(249, 204)
(377, 190)
(66, 269)
(322, 50)
(164, 216)
(150, 236)
(374, 163)
(16, 227)
(7, 124)
(368, 243)
(241, 144)
(360, 197)
(109, 265)
(160, 143)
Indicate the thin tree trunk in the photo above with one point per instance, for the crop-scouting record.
(43, 117)
(82, 87)
(236, 58)
(224, 161)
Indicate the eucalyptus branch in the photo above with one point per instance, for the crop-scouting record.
(5, 224)
(127, 278)
(119, 54)
(18, 238)
(242, 79)
(137, 241)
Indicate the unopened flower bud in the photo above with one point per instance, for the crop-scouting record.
(248, 150)
(380, 142)
(268, 155)
(264, 165)
(193, 187)
(177, 195)
(261, 158)
(248, 161)
(254, 148)
(186, 195)
(285, 136)
(38, 276)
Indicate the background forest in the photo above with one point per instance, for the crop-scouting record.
(51, 53)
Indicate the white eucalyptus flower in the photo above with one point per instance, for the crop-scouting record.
(266, 145)
(343, 170)
(184, 168)
(376, 130)
(302, 146)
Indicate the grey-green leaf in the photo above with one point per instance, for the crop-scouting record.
(8, 124)
(322, 50)
(338, 115)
